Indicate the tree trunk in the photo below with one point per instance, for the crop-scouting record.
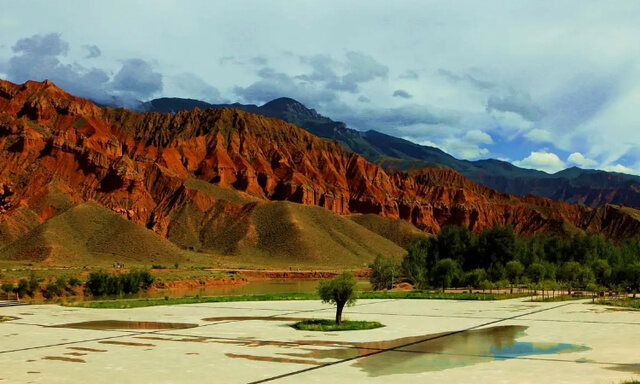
(511, 289)
(339, 308)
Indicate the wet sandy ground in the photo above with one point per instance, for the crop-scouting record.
(511, 341)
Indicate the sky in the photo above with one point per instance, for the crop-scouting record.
(542, 84)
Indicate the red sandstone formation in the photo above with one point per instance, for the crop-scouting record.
(58, 150)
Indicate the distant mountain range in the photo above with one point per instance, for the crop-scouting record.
(593, 188)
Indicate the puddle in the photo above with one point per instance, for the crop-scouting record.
(119, 324)
(425, 353)
(130, 344)
(62, 358)
(247, 318)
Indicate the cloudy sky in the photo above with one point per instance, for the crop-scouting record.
(543, 84)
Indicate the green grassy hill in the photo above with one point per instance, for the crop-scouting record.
(237, 231)
(89, 234)
(275, 234)
(400, 232)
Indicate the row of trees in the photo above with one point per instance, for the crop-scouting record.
(497, 257)
(32, 286)
(103, 284)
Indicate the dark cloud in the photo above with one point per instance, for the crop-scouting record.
(516, 102)
(400, 121)
(259, 60)
(92, 51)
(273, 84)
(42, 45)
(322, 68)
(321, 85)
(361, 68)
(409, 74)
(402, 93)
(195, 87)
(37, 58)
(364, 99)
(473, 81)
(137, 78)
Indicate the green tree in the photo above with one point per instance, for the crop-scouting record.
(339, 291)
(514, 270)
(415, 263)
(496, 245)
(602, 271)
(457, 243)
(7, 288)
(444, 272)
(383, 273)
(22, 288)
(633, 278)
(474, 279)
(568, 273)
(536, 273)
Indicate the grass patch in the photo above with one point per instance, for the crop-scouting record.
(137, 303)
(149, 302)
(625, 303)
(559, 298)
(6, 318)
(330, 325)
(427, 295)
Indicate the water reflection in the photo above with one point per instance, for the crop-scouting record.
(425, 353)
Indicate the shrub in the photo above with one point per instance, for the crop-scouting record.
(22, 288)
(74, 282)
(7, 288)
(51, 290)
(102, 284)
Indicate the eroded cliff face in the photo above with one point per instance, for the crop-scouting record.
(58, 150)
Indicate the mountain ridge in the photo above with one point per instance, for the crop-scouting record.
(593, 188)
(201, 179)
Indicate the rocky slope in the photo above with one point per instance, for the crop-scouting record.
(157, 170)
(573, 185)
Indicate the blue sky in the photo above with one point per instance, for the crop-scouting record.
(543, 84)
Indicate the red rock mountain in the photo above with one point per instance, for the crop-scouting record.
(59, 150)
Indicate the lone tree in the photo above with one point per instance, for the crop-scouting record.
(339, 291)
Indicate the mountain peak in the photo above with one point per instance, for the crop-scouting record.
(287, 104)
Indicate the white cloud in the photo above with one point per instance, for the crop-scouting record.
(477, 136)
(620, 168)
(539, 135)
(579, 159)
(544, 161)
